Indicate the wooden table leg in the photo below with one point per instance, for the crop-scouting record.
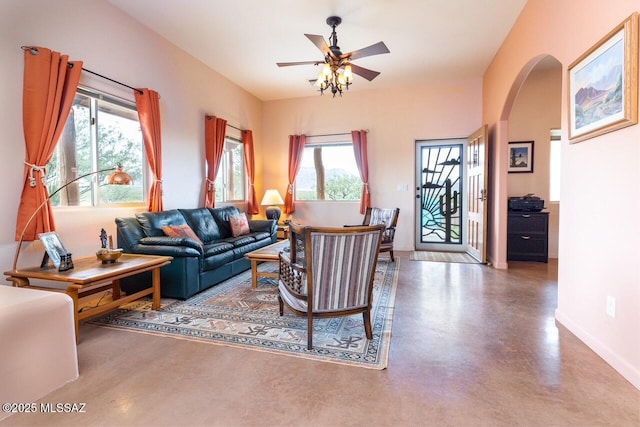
(72, 291)
(254, 273)
(155, 278)
(19, 282)
(115, 290)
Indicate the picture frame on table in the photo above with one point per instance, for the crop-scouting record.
(521, 157)
(603, 84)
(53, 246)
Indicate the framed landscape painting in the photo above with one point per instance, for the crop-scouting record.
(603, 84)
(521, 157)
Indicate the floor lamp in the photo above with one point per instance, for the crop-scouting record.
(119, 177)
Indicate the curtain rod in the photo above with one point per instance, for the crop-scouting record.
(34, 51)
(208, 116)
(111, 80)
(333, 134)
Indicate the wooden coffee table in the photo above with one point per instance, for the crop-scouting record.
(265, 254)
(89, 274)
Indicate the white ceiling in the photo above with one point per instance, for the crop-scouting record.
(429, 40)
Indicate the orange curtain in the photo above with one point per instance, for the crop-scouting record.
(49, 88)
(148, 103)
(249, 164)
(214, 133)
(296, 148)
(359, 138)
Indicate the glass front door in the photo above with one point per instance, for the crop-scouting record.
(440, 195)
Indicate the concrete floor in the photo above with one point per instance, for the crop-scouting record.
(471, 346)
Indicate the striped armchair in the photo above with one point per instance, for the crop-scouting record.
(329, 272)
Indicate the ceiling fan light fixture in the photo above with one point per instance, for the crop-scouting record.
(337, 74)
(348, 74)
(326, 70)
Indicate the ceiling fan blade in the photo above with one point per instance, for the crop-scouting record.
(288, 64)
(364, 72)
(374, 49)
(321, 44)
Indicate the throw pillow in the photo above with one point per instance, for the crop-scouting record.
(239, 224)
(182, 230)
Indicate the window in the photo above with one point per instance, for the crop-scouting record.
(101, 132)
(328, 172)
(554, 166)
(230, 181)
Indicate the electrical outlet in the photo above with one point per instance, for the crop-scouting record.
(611, 306)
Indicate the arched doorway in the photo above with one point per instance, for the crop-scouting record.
(531, 111)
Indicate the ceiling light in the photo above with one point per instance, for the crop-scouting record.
(337, 72)
(334, 78)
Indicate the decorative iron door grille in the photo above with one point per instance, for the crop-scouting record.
(441, 201)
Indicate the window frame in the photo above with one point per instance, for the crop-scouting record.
(95, 96)
(331, 142)
(555, 159)
(222, 173)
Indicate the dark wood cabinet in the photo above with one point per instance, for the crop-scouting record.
(528, 236)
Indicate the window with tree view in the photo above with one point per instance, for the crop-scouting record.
(101, 132)
(328, 172)
(230, 181)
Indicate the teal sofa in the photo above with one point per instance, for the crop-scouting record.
(197, 265)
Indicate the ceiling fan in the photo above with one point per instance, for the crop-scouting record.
(337, 71)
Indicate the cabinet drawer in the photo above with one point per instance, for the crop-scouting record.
(527, 223)
(527, 248)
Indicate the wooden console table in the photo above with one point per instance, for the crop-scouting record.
(90, 276)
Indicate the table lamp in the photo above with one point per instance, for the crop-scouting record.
(272, 198)
(122, 181)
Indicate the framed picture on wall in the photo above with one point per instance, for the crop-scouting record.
(603, 84)
(521, 157)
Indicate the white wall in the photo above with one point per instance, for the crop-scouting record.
(112, 44)
(395, 120)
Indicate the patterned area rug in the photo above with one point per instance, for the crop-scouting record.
(234, 314)
(459, 257)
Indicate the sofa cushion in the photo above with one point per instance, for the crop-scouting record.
(215, 261)
(217, 248)
(261, 235)
(182, 230)
(221, 216)
(241, 240)
(165, 245)
(152, 222)
(240, 250)
(202, 223)
(239, 224)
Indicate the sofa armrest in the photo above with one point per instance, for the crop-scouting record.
(176, 246)
(263, 225)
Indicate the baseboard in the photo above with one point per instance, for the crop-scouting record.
(500, 265)
(629, 372)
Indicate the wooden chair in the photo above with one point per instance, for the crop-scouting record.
(388, 217)
(329, 272)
